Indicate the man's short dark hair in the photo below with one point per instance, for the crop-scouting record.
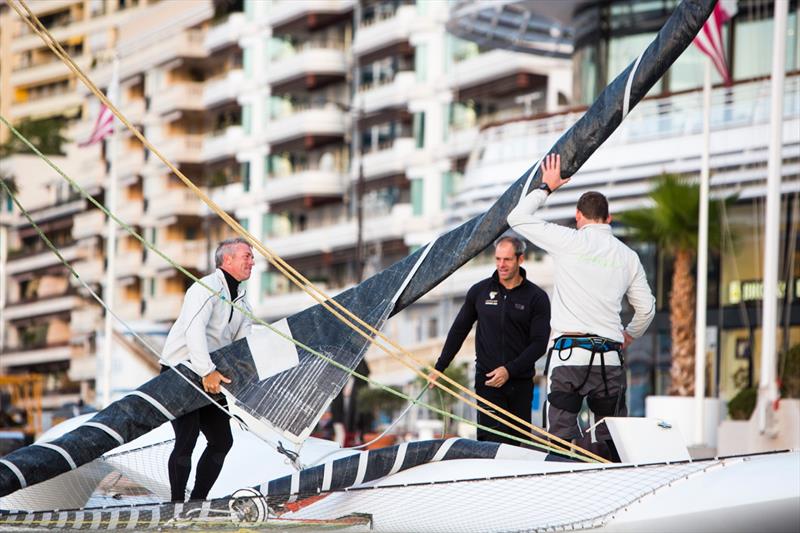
(593, 205)
(516, 242)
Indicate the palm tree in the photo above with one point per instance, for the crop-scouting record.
(672, 223)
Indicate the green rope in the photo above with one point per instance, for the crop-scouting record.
(244, 311)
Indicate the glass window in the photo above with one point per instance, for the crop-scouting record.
(245, 171)
(267, 220)
(687, 71)
(419, 129)
(244, 223)
(417, 206)
(450, 181)
(249, 9)
(247, 61)
(753, 47)
(421, 62)
(623, 51)
(247, 118)
(585, 75)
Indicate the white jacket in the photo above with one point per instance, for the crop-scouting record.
(205, 324)
(593, 271)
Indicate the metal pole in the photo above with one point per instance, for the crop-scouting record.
(3, 262)
(111, 243)
(357, 149)
(702, 266)
(768, 390)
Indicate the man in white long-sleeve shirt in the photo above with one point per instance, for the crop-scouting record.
(206, 323)
(593, 272)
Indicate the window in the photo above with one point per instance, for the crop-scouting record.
(753, 47)
(247, 118)
(449, 185)
(247, 61)
(421, 62)
(417, 207)
(419, 129)
(245, 171)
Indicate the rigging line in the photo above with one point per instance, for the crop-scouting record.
(102, 303)
(379, 437)
(545, 446)
(278, 446)
(293, 275)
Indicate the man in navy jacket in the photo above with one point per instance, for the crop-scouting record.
(513, 316)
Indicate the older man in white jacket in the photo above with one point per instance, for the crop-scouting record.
(207, 322)
(593, 272)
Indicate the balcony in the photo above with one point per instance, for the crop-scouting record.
(188, 254)
(325, 122)
(142, 51)
(313, 62)
(86, 319)
(174, 202)
(304, 184)
(387, 29)
(287, 11)
(186, 96)
(229, 197)
(388, 161)
(164, 308)
(129, 263)
(88, 224)
(223, 143)
(129, 310)
(181, 149)
(46, 72)
(394, 93)
(41, 259)
(54, 104)
(41, 307)
(394, 222)
(223, 89)
(134, 111)
(277, 306)
(91, 270)
(14, 356)
(501, 69)
(129, 211)
(461, 141)
(225, 32)
(129, 164)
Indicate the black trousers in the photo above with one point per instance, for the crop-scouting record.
(216, 427)
(515, 397)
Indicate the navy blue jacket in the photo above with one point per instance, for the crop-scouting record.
(513, 327)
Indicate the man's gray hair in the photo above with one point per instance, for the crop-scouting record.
(516, 242)
(227, 247)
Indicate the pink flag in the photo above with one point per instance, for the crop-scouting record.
(709, 40)
(103, 127)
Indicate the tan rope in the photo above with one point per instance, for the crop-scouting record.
(294, 276)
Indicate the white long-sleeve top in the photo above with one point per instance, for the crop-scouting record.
(205, 323)
(593, 271)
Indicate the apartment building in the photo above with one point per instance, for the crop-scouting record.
(363, 117)
(47, 324)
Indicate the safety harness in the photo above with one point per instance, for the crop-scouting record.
(571, 401)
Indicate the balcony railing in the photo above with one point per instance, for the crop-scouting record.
(180, 201)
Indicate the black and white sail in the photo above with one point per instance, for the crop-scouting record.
(292, 401)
